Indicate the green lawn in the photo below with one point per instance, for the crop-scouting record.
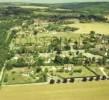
(83, 73)
(17, 76)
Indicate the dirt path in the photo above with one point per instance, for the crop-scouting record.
(8, 36)
(104, 73)
(2, 72)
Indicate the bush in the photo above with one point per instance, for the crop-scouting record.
(9, 65)
(42, 77)
(20, 63)
(60, 70)
(79, 70)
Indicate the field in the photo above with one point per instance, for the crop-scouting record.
(87, 27)
(77, 91)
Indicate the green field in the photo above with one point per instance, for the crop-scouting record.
(76, 91)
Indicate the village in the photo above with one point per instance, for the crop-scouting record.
(37, 55)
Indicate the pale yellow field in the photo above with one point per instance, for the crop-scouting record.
(102, 28)
(40, 7)
(77, 91)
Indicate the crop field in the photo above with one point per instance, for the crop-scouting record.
(87, 27)
(85, 91)
(40, 7)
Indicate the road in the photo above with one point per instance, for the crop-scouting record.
(2, 72)
(104, 73)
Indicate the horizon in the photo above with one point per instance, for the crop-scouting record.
(51, 1)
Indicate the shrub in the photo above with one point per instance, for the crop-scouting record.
(20, 63)
(79, 70)
(42, 77)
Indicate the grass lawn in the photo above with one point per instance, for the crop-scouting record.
(77, 91)
(107, 71)
(17, 76)
(97, 70)
(83, 73)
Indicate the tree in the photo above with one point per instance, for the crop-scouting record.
(38, 69)
(72, 80)
(64, 80)
(58, 81)
(66, 60)
(42, 77)
(35, 32)
(55, 44)
(92, 34)
(20, 63)
(103, 78)
(13, 32)
(93, 60)
(97, 78)
(67, 43)
(91, 79)
(87, 62)
(84, 79)
(39, 61)
(104, 60)
(99, 61)
(58, 60)
(52, 81)
(75, 46)
(75, 61)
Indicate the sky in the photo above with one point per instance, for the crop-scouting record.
(52, 1)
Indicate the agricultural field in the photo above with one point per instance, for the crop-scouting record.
(85, 91)
(87, 27)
